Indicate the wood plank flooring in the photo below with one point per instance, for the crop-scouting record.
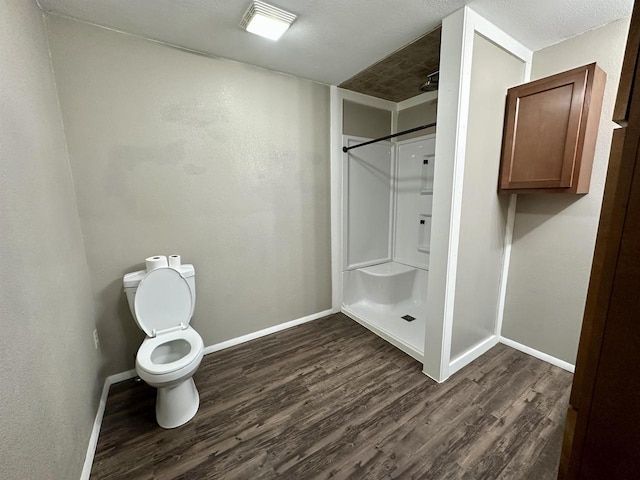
(329, 399)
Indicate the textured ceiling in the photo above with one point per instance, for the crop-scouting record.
(399, 76)
(332, 40)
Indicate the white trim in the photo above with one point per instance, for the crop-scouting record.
(500, 38)
(97, 423)
(538, 354)
(432, 378)
(392, 339)
(394, 125)
(392, 200)
(336, 196)
(267, 331)
(527, 71)
(394, 193)
(506, 261)
(463, 81)
(472, 354)
(122, 376)
(459, 160)
(438, 329)
(95, 432)
(426, 97)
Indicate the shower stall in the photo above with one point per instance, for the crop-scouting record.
(387, 200)
(420, 238)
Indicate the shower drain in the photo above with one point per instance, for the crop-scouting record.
(408, 318)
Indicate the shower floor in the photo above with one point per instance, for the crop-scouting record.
(387, 322)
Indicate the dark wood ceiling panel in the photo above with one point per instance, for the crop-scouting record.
(398, 76)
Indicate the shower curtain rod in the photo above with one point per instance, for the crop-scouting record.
(411, 130)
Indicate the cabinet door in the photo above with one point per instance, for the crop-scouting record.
(542, 132)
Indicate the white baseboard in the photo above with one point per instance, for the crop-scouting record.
(470, 355)
(95, 432)
(267, 331)
(122, 376)
(434, 379)
(538, 354)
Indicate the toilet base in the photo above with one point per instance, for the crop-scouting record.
(178, 404)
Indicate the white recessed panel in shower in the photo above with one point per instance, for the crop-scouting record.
(426, 180)
(424, 232)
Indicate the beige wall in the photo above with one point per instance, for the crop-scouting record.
(221, 162)
(554, 235)
(364, 121)
(49, 376)
(415, 116)
(483, 215)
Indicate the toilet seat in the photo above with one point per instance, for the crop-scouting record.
(163, 301)
(144, 357)
(163, 306)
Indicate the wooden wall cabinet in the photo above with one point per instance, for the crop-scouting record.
(551, 126)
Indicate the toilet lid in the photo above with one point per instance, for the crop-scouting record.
(163, 300)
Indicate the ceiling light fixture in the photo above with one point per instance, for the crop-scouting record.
(266, 20)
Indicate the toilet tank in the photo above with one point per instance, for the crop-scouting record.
(132, 280)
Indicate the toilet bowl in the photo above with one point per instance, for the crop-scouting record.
(168, 362)
(162, 302)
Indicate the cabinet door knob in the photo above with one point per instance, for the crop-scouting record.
(421, 222)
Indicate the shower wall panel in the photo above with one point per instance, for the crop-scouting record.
(368, 203)
(414, 194)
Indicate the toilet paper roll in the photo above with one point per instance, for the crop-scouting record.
(174, 262)
(158, 261)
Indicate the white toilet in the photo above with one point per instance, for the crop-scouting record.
(162, 301)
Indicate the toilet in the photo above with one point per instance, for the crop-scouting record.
(162, 300)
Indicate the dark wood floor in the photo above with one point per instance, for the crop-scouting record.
(329, 399)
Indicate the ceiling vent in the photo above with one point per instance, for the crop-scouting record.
(266, 20)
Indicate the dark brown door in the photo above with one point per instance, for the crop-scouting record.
(612, 436)
(602, 433)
